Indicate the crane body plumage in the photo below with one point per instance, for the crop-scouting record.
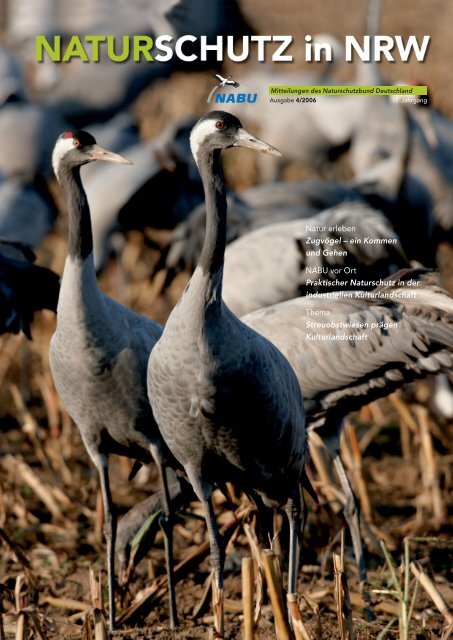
(235, 395)
(104, 365)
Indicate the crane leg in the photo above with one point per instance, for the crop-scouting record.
(351, 514)
(167, 529)
(296, 519)
(217, 562)
(102, 466)
(265, 521)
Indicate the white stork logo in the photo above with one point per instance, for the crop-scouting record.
(223, 82)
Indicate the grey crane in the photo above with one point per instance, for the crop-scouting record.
(98, 91)
(27, 212)
(24, 288)
(401, 331)
(28, 129)
(99, 354)
(12, 81)
(441, 129)
(428, 171)
(377, 148)
(227, 402)
(284, 260)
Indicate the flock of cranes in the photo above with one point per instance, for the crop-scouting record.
(229, 390)
(211, 396)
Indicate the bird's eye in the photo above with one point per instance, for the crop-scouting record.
(76, 143)
(220, 125)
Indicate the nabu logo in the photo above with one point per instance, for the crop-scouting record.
(228, 98)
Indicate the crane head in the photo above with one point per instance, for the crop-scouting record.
(221, 130)
(74, 149)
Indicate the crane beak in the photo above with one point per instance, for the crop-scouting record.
(246, 139)
(98, 153)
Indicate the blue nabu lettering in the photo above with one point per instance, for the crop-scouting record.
(236, 98)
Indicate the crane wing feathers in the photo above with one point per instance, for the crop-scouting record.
(138, 328)
(350, 351)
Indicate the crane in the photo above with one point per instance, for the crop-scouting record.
(27, 213)
(281, 261)
(99, 354)
(24, 288)
(390, 338)
(227, 402)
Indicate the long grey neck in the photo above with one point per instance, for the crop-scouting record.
(373, 19)
(368, 73)
(213, 253)
(80, 237)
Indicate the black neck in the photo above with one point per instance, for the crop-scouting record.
(213, 253)
(80, 238)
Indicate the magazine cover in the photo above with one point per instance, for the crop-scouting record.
(226, 319)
